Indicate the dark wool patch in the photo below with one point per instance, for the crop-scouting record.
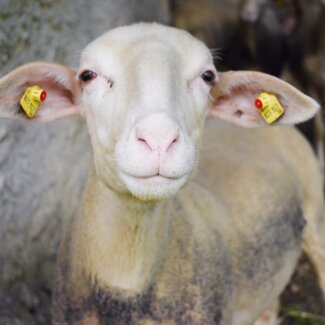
(278, 235)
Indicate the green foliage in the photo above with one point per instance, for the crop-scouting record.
(299, 317)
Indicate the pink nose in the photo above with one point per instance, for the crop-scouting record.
(158, 140)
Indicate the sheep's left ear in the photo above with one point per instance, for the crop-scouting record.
(234, 96)
(61, 86)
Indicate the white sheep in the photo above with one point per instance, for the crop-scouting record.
(162, 236)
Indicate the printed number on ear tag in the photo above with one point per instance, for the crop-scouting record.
(269, 107)
(31, 99)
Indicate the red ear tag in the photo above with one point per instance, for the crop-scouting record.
(43, 96)
(258, 103)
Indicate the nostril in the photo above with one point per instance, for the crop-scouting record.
(142, 138)
(175, 139)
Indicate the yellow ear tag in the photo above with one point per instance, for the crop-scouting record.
(31, 99)
(269, 107)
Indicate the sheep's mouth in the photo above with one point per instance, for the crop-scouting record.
(155, 177)
(153, 187)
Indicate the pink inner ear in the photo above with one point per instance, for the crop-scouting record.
(238, 107)
(60, 101)
(237, 104)
(60, 83)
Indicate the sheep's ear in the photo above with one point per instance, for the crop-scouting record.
(235, 93)
(59, 82)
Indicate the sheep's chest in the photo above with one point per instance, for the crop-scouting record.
(192, 286)
(150, 309)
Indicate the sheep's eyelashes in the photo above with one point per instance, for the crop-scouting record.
(87, 75)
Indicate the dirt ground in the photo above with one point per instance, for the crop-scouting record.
(303, 295)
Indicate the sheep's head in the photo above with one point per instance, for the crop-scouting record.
(145, 91)
(145, 94)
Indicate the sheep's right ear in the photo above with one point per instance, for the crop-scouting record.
(59, 82)
(234, 96)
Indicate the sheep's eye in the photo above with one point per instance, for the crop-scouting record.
(87, 75)
(208, 76)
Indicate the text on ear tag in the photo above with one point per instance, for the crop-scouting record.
(269, 107)
(31, 99)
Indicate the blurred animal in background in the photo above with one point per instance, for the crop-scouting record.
(314, 62)
(314, 69)
(267, 26)
(284, 34)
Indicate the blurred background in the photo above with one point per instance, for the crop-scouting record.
(43, 167)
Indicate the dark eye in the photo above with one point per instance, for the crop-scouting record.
(208, 76)
(87, 75)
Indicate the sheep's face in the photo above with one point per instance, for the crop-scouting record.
(145, 95)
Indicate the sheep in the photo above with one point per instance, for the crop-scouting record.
(161, 235)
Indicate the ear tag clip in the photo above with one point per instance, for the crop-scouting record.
(31, 99)
(269, 107)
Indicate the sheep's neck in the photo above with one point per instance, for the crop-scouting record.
(118, 240)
